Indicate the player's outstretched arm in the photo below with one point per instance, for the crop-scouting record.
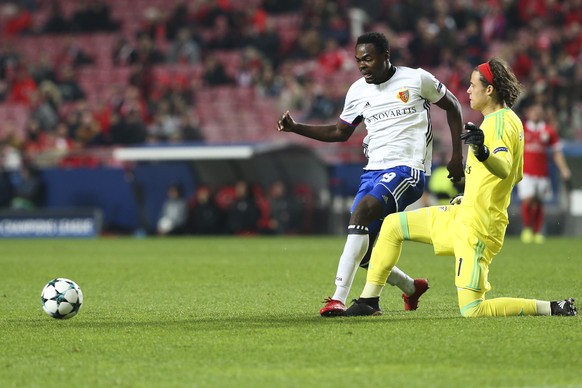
(451, 105)
(338, 132)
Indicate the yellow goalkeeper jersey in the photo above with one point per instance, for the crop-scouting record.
(487, 197)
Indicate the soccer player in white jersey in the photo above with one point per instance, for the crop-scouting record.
(394, 103)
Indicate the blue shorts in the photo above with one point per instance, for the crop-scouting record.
(404, 184)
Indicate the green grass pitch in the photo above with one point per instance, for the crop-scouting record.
(243, 312)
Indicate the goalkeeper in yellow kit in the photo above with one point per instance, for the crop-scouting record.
(472, 231)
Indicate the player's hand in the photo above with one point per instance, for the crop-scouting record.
(456, 169)
(285, 123)
(457, 199)
(568, 184)
(475, 138)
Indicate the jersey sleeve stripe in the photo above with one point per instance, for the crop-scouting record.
(500, 124)
(354, 124)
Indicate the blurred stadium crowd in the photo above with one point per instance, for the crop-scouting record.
(86, 75)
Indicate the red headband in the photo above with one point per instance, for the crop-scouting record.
(485, 69)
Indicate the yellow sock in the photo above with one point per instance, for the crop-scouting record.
(372, 291)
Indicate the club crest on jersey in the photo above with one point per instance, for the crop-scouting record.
(403, 95)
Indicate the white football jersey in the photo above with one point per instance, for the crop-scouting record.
(396, 114)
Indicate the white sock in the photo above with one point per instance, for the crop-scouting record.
(354, 250)
(402, 280)
(543, 307)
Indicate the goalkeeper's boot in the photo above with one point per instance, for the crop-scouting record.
(563, 307)
(411, 302)
(332, 308)
(364, 307)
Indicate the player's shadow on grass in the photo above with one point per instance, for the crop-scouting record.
(231, 322)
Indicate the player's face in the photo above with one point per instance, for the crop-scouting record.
(478, 95)
(535, 113)
(372, 64)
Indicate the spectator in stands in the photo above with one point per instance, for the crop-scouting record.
(224, 35)
(293, 94)
(174, 216)
(270, 83)
(146, 52)
(361, 14)
(128, 130)
(190, 129)
(205, 216)
(73, 54)
(131, 99)
(309, 44)
(268, 42)
(87, 133)
(93, 16)
(59, 141)
(184, 49)
(153, 24)
(68, 84)
(473, 44)
(214, 72)
(424, 48)
(178, 19)
(102, 114)
(56, 22)
(123, 52)
(29, 190)
(243, 215)
(322, 104)
(333, 58)
(494, 25)
(45, 104)
(446, 31)
(10, 57)
(250, 67)
(22, 85)
(35, 140)
(43, 69)
(337, 28)
(165, 125)
(142, 77)
(18, 20)
(11, 148)
(284, 212)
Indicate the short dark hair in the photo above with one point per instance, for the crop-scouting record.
(377, 39)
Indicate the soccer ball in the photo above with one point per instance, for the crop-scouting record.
(61, 298)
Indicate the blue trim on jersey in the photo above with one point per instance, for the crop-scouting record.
(403, 184)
